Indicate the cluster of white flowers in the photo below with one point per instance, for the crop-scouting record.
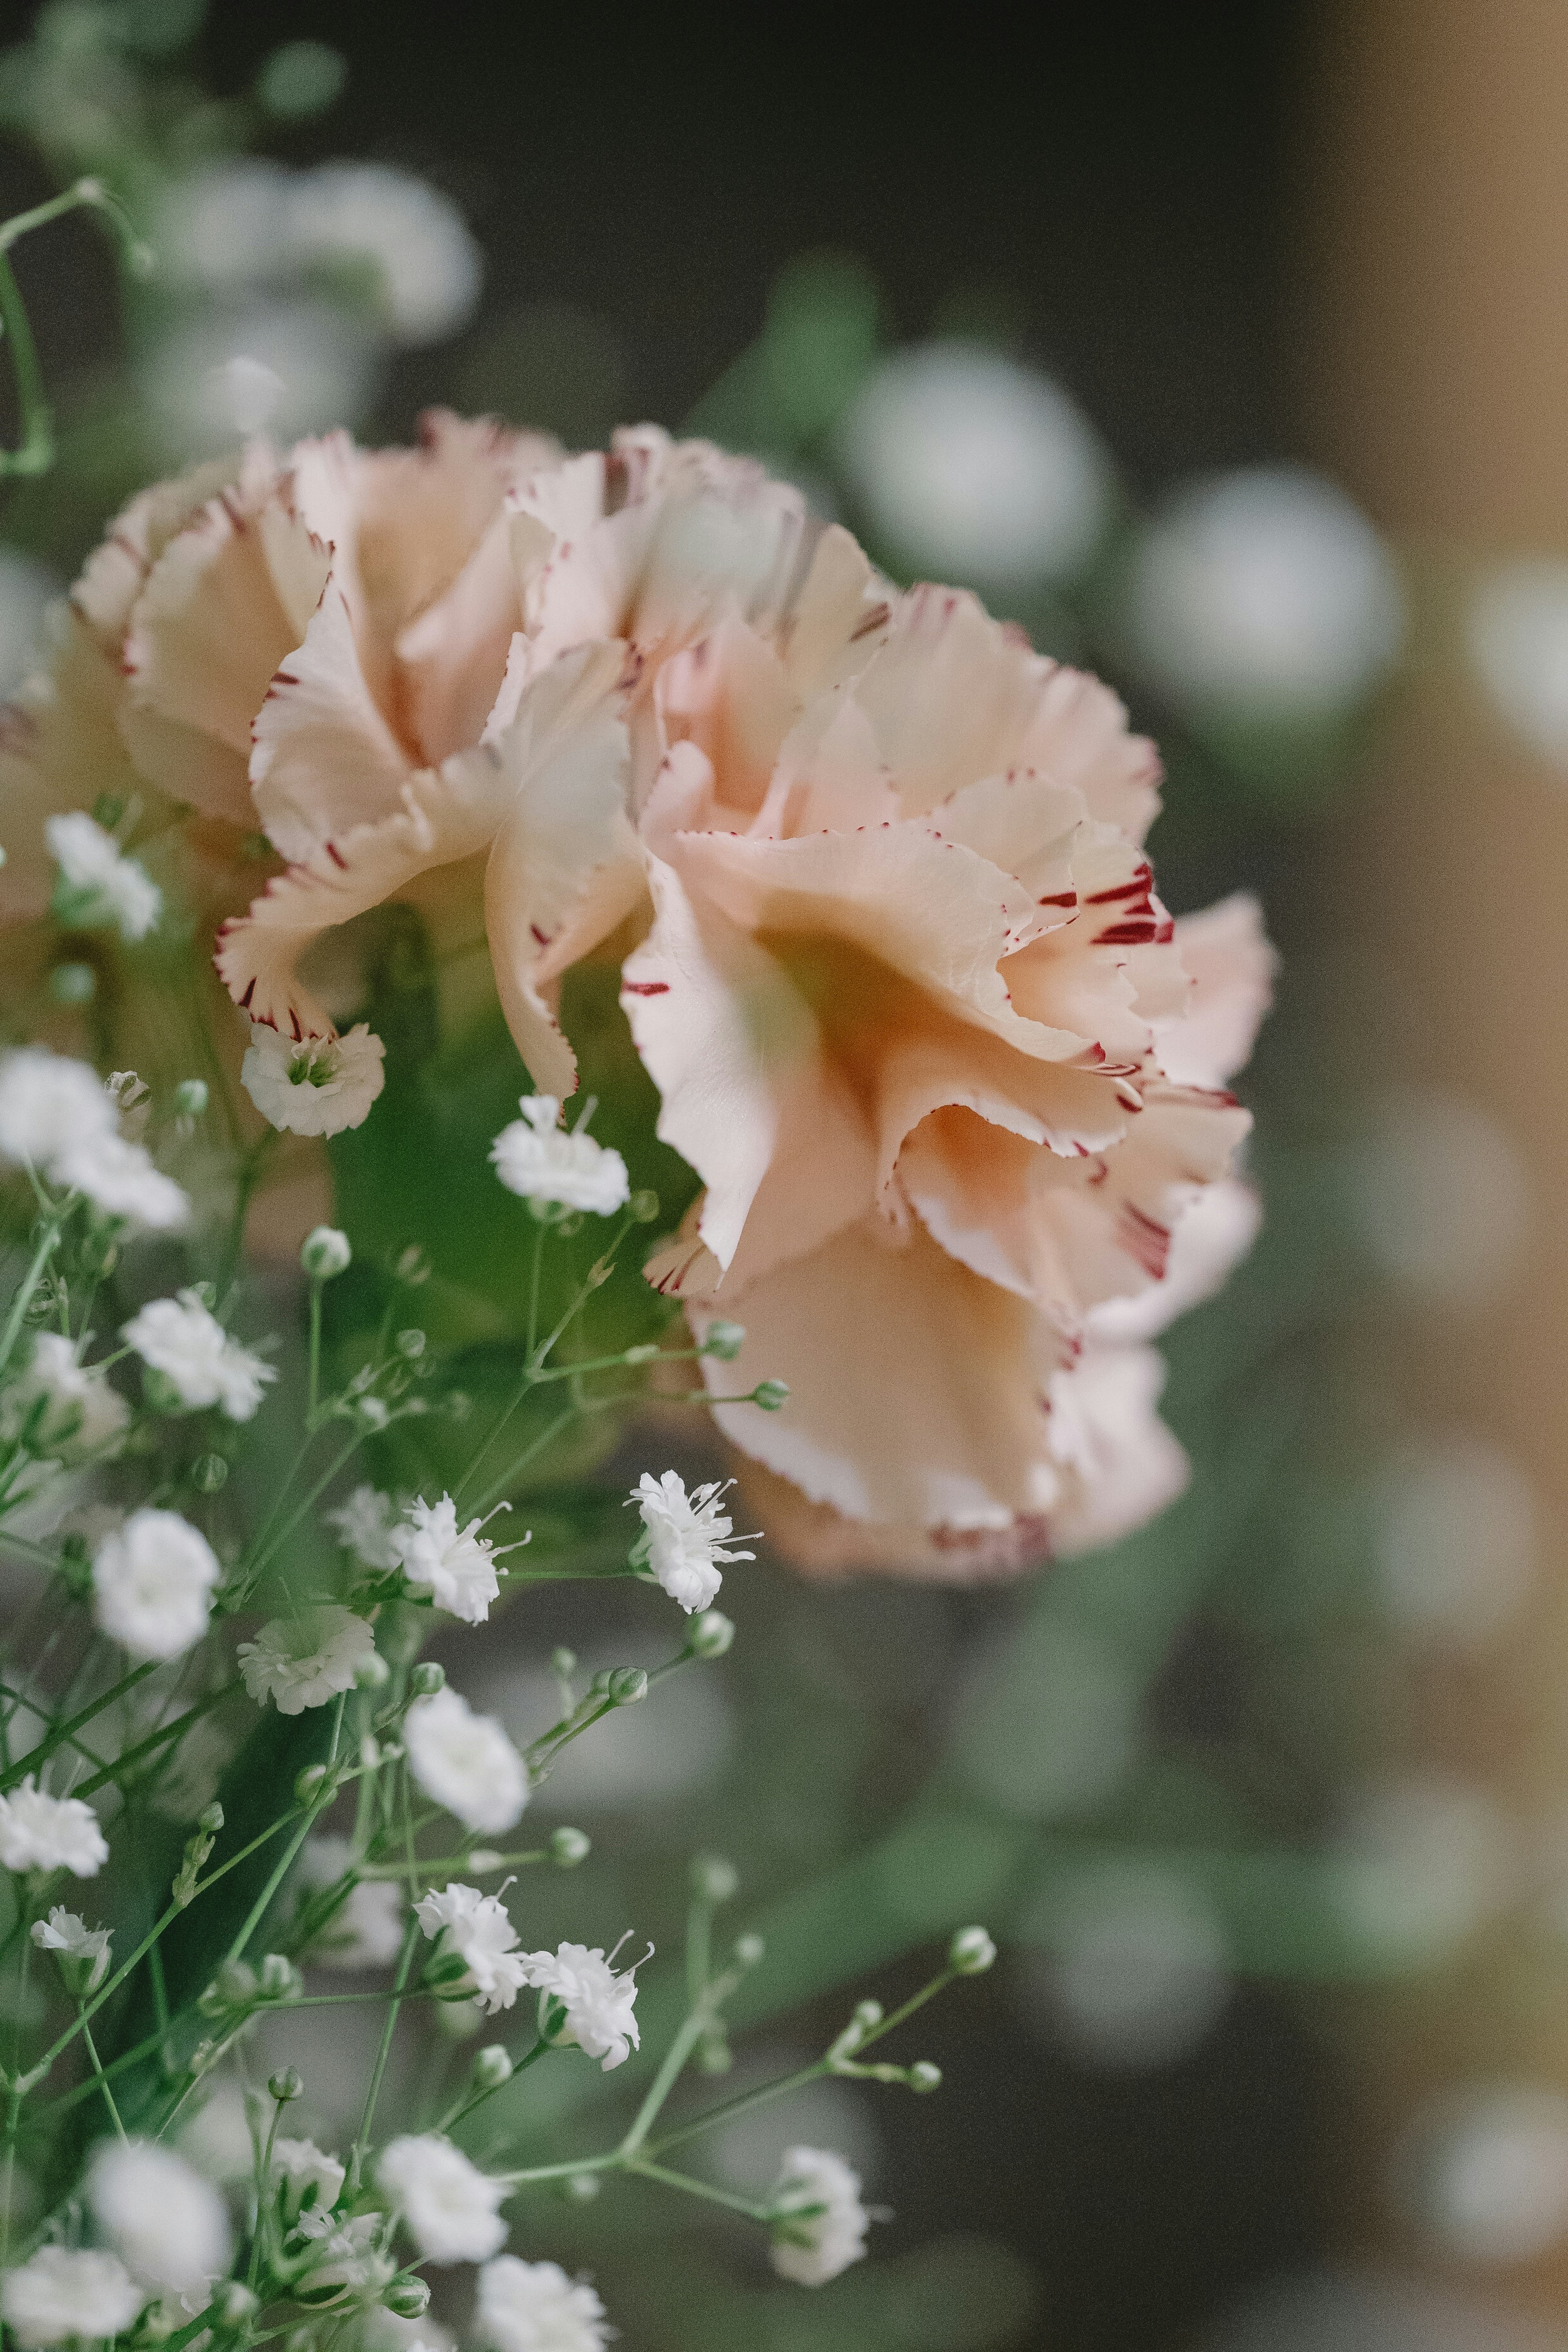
(62, 1407)
(466, 1762)
(307, 1659)
(478, 1928)
(82, 1952)
(822, 2223)
(535, 2307)
(683, 1537)
(311, 2181)
(367, 1526)
(168, 2224)
(182, 1339)
(455, 1566)
(99, 887)
(58, 2296)
(38, 1832)
(366, 1930)
(57, 1119)
(320, 1086)
(600, 2002)
(537, 1160)
(153, 1582)
(451, 2207)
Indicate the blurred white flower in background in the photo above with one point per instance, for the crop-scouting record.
(1138, 1970)
(977, 468)
(1420, 1864)
(1265, 591)
(28, 589)
(1483, 2172)
(640, 1757)
(168, 2225)
(299, 367)
(1440, 1196)
(1517, 632)
(1456, 1538)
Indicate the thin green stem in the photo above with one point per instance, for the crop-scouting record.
(315, 1386)
(361, 2137)
(664, 2082)
(101, 2078)
(683, 2181)
(58, 1733)
(51, 1233)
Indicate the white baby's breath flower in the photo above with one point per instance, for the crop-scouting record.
(600, 2015)
(82, 1952)
(121, 1180)
(99, 887)
(455, 1565)
(349, 2253)
(466, 1762)
(683, 1537)
(305, 1660)
(168, 2224)
(60, 2297)
(153, 1582)
(62, 1408)
(477, 1928)
(48, 1103)
(311, 2181)
(184, 1340)
(365, 1525)
(540, 1161)
(449, 2205)
(535, 2307)
(366, 1930)
(427, 263)
(823, 2226)
(43, 1832)
(320, 1086)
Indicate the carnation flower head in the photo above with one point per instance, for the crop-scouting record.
(537, 1160)
(820, 2224)
(599, 2000)
(316, 1086)
(535, 2307)
(465, 1761)
(168, 2224)
(99, 887)
(365, 1524)
(58, 2296)
(684, 1536)
(450, 2206)
(366, 1929)
(152, 1580)
(63, 1408)
(48, 1103)
(478, 1928)
(456, 1565)
(42, 1832)
(82, 1952)
(306, 1659)
(182, 1339)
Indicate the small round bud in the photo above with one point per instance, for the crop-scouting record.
(210, 1818)
(643, 1207)
(711, 1635)
(971, 1952)
(232, 2303)
(73, 983)
(714, 2055)
(484, 1859)
(868, 2013)
(408, 2296)
(280, 1980)
(749, 1950)
(627, 1685)
(287, 2084)
(202, 2056)
(713, 1878)
(413, 1266)
(456, 1404)
(771, 1394)
(373, 1672)
(645, 1352)
(427, 1677)
(568, 1847)
(492, 2067)
(309, 1785)
(191, 1097)
(325, 1252)
(208, 1473)
(724, 1341)
(924, 2076)
(580, 2188)
(564, 1665)
(372, 1411)
(410, 1344)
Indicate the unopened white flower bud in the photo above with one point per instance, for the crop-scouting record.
(713, 1878)
(280, 1980)
(626, 1685)
(569, 1846)
(325, 1252)
(924, 2076)
(711, 1634)
(407, 2296)
(580, 2188)
(868, 2013)
(971, 1952)
(483, 1859)
(771, 1394)
(285, 2085)
(749, 1950)
(191, 1097)
(492, 2067)
(427, 1677)
(232, 2303)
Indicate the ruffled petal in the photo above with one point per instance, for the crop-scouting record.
(325, 762)
(1226, 952)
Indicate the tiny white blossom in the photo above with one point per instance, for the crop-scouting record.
(455, 1565)
(535, 2307)
(348, 2252)
(366, 1930)
(683, 1537)
(132, 1099)
(98, 885)
(812, 2246)
(168, 2224)
(83, 1952)
(67, 1409)
(311, 2181)
(305, 1660)
(466, 1762)
(42, 1832)
(600, 2016)
(320, 1085)
(48, 1103)
(477, 1928)
(184, 1340)
(540, 1161)
(367, 1526)
(153, 1582)
(121, 1180)
(60, 2297)
(449, 2205)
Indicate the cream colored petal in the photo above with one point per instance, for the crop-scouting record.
(1027, 823)
(188, 764)
(729, 694)
(1121, 1465)
(828, 778)
(59, 746)
(841, 615)
(452, 659)
(1078, 734)
(1226, 951)
(324, 760)
(112, 577)
(1210, 1236)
